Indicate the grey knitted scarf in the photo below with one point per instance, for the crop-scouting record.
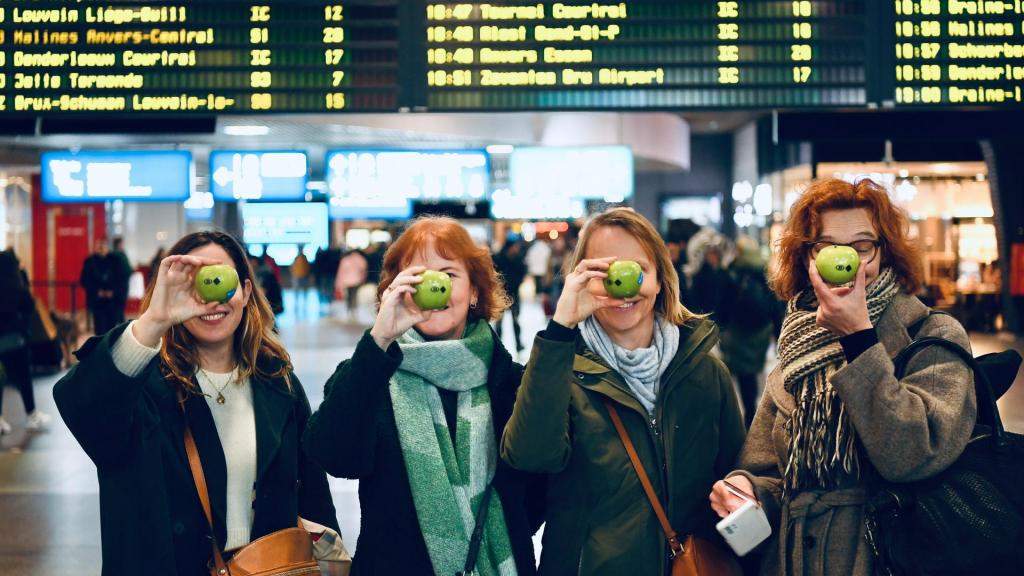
(822, 441)
(641, 368)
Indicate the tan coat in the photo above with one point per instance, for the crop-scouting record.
(910, 429)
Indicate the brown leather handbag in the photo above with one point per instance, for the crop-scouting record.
(287, 552)
(692, 557)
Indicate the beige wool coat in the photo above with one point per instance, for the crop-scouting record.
(910, 429)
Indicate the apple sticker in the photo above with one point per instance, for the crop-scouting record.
(624, 279)
(837, 264)
(434, 290)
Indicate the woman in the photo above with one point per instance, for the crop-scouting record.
(833, 414)
(16, 310)
(242, 402)
(416, 414)
(650, 358)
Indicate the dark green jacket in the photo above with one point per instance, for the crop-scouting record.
(598, 519)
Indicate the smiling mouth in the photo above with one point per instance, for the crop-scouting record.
(627, 305)
(213, 317)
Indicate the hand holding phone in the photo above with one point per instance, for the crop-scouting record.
(745, 527)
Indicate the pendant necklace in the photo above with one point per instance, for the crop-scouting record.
(220, 391)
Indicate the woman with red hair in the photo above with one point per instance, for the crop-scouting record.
(834, 416)
(416, 415)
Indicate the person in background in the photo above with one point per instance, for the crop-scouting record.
(301, 271)
(154, 265)
(538, 264)
(512, 267)
(709, 281)
(747, 321)
(268, 283)
(101, 276)
(125, 271)
(214, 369)
(352, 273)
(325, 268)
(649, 359)
(374, 262)
(834, 416)
(16, 310)
(416, 415)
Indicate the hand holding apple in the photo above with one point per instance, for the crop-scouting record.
(398, 312)
(576, 302)
(841, 310)
(174, 300)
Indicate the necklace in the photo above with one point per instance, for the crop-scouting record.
(220, 391)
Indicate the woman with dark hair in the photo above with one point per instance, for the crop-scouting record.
(834, 416)
(219, 370)
(416, 415)
(16, 310)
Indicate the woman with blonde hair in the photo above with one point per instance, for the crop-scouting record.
(834, 416)
(648, 360)
(217, 370)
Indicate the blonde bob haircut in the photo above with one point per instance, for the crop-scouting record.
(667, 303)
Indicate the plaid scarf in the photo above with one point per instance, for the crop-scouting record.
(448, 475)
(822, 440)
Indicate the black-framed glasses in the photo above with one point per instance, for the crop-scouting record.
(866, 249)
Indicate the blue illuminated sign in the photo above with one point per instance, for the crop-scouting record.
(258, 174)
(283, 226)
(383, 184)
(97, 176)
(586, 172)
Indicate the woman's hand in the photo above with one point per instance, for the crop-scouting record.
(576, 302)
(842, 310)
(724, 502)
(174, 300)
(397, 311)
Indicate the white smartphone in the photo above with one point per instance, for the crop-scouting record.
(746, 527)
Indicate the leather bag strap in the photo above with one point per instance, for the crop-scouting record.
(200, 481)
(478, 533)
(673, 539)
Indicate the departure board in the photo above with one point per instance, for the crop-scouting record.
(212, 57)
(198, 56)
(644, 54)
(962, 53)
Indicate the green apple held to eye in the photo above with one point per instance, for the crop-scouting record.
(624, 279)
(837, 264)
(433, 291)
(216, 283)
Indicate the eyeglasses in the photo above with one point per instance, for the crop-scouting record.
(866, 249)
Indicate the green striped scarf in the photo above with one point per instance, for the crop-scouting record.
(448, 478)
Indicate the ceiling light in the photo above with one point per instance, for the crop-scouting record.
(904, 173)
(246, 130)
(500, 149)
(943, 168)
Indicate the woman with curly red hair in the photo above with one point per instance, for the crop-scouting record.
(416, 415)
(834, 415)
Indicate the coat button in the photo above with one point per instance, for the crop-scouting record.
(809, 542)
(178, 528)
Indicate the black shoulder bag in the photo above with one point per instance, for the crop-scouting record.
(969, 518)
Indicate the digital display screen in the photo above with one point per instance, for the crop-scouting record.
(210, 57)
(199, 56)
(97, 176)
(258, 174)
(283, 227)
(384, 183)
(958, 53)
(586, 172)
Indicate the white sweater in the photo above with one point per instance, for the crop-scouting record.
(235, 421)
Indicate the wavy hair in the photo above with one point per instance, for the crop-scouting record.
(667, 304)
(451, 241)
(258, 351)
(892, 225)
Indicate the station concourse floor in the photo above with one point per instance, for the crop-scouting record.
(49, 504)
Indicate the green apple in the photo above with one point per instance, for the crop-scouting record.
(216, 283)
(433, 291)
(837, 264)
(624, 279)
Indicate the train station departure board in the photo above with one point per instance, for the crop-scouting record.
(208, 57)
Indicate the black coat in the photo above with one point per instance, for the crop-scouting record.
(132, 428)
(353, 435)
